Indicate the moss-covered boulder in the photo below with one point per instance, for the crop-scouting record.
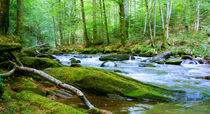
(39, 63)
(73, 60)
(146, 65)
(99, 81)
(108, 64)
(115, 57)
(10, 46)
(174, 61)
(75, 65)
(29, 52)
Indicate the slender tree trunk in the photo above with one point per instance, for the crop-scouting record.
(197, 17)
(167, 16)
(127, 17)
(95, 40)
(4, 16)
(61, 26)
(55, 36)
(154, 18)
(184, 16)
(122, 22)
(19, 28)
(86, 39)
(161, 14)
(106, 25)
(145, 25)
(101, 21)
(167, 25)
(150, 27)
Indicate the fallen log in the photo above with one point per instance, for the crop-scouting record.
(52, 80)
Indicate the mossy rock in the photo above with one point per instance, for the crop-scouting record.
(108, 64)
(39, 63)
(10, 46)
(75, 65)
(115, 57)
(99, 81)
(73, 60)
(146, 65)
(29, 52)
(174, 61)
(46, 104)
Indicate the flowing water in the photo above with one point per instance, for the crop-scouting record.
(186, 77)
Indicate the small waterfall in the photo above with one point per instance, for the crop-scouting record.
(190, 62)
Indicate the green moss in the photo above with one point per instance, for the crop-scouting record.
(10, 46)
(46, 104)
(115, 57)
(75, 65)
(29, 52)
(102, 82)
(39, 63)
(174, 61)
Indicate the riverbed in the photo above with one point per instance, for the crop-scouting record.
(186, 77)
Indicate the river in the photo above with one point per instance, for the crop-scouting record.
(186, 77)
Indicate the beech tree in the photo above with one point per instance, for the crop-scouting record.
(4, 16)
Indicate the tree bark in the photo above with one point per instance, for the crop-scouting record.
(167, 25)
(161, 14)
(127, 17)
(150, 27)
(106, 25)
(122, 22)
(19, 18)
(197, 16)
(184, 16)
(154, 18)
(4, 16)
(95, 40)
(61, 25)
(86, 39)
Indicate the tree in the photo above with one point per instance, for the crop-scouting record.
(87, 42)
(184, 16)
(94, 22)
(165, 35)
(122, 22)
(19, 28)
(106, 25)
(197, 16)
(161, 14)
(4, 16)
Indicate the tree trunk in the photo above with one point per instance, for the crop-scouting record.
(4, 16)
(87, 42)
(184, 16)
(122, 22)
(161, 14)
(127, 17)
(197, 17)
(167, 25)
(61, 26)
(55, 35)
(106, 25)
(95, 40)
(150, 27)
(19, 18)
(154, 18)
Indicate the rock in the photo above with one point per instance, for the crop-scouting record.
(206, 60)
(10, 47)
(46, 56)
(39, 63)
(167, 55)
(174, 61)
(29, 52)
(73, 60)
(119, 71)
(108, 64)
(207, 77)
(75, 65)
(187, 57)
(99, 81)
(115, 57)
(160, 62)
(146, 65)
(82, 56)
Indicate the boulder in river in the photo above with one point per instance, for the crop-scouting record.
(39, 63)
(187, 57)
(174, 61)
(82, 56)
(207, 77)
(73, 60)
(146, 65)
(102, 82)
(75, 65)
(108, 64)
(115, 57)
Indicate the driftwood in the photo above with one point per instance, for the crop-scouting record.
(52, 80)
